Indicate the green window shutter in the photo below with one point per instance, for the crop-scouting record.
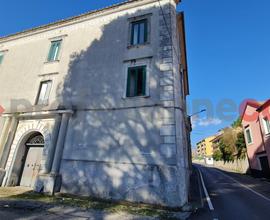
(144, 81)
(268, 125)
(1, 58)
(136, 81)
(249, 140)
(128, 83)
(50, 55)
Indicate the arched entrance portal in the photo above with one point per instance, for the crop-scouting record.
(31, 160)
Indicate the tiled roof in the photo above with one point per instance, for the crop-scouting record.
(265, 104)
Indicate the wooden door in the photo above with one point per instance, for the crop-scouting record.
(31, 166)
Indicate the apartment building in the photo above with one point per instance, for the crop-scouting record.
(205, 147)
(256, 126)
(96, 105)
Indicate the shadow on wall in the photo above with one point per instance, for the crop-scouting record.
(113, 145)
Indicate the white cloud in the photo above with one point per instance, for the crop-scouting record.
(204, 122)
(210, 121)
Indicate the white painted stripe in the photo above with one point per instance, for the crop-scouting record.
(248, 188)
(211, 207)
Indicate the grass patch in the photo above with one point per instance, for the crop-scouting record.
(97, 204)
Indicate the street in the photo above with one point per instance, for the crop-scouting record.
(233, 196)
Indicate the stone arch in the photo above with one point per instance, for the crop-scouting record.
(24, 131)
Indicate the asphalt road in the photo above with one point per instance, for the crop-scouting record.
(232, 197)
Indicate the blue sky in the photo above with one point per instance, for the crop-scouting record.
(228, 46)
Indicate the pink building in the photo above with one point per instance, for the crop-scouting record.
(256, 125)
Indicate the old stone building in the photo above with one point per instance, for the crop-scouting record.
(95, 105)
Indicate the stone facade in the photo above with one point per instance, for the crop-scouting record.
(97, 141)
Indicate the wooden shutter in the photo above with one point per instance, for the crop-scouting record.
(144, 80)
(128, 83)
(136, 73)
(1, 58)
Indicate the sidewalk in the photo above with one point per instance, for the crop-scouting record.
(31, 210)
(22, 203)
(197, 198)
(195, 193)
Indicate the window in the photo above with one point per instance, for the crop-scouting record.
(248, 136)
(44, 92)
(266, 125)
(139, 32)
(136, 81)
(54, 50)
(1, 57)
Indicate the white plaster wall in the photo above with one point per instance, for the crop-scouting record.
(134, 138)
(86, 47)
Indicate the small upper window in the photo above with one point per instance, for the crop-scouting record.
(44, 92)
(1, 57)
(248, 136)
(266, 125)
(136, 81)
(139, 32)
(54, 50)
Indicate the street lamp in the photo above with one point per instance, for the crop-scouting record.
(196, 113)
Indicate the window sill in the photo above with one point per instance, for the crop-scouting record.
(42, 105)
(138, 45)
(53, 61)
(136, 97)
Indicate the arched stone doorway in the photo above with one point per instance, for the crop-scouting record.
(15, 161)
(31, 160)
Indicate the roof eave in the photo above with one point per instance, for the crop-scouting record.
(69, 20)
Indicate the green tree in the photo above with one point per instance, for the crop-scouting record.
(240, 145)
(226, 151)
(237, 123)
(217, 156)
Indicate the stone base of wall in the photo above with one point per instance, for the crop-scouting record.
(48, 183)
(130, 182)
(2, 175)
